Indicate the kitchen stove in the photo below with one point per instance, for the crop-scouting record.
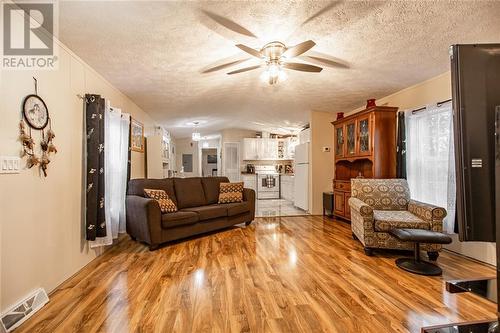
(268, 182)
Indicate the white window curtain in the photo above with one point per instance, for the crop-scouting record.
(430, 160)
(116, 142)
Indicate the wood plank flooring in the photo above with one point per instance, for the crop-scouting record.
(290, 274)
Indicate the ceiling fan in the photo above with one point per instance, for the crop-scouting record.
(275, 57)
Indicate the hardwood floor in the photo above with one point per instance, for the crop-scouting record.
(290, 274)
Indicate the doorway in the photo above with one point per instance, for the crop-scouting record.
(209, 162)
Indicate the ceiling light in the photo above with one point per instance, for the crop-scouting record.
(196, 136)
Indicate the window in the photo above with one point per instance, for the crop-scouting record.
(430, 159)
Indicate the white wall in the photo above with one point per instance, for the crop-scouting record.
(428, 92)
(42, 230)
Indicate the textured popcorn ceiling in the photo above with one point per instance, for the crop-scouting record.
(155, 52)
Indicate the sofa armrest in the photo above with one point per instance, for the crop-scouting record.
(249, 195)
(143, 219)
(359, 206)
(429, 213)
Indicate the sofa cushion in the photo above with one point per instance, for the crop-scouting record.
(166, 204)
(236, 208)
(189, 192)
(211, 188)
(384, 220)
(230, 192)
(172, 220)
(208, 212)
(137, 186)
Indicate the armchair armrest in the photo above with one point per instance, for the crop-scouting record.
(429, 213)
(362, 222)
(362, 208)
(425, 211)
(143, 219)
(249, 195)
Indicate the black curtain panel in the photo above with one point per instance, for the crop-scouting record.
(129, 158)
(95, 217)
(401, 147)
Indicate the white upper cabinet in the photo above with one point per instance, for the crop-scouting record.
(266, 149)
(250, 149)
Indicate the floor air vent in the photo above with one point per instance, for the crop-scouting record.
(23, 310)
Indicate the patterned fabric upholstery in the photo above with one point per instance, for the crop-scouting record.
(361, 207)
(382, 194)
(231, 192)
(426, 211)
(166, 204)
(391, 207)
(384, 220)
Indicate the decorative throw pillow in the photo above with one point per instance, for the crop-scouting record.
(230, 192)
(166, 204)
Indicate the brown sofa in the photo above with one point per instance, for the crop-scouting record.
(198, 209)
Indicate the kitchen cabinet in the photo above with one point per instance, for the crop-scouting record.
(287, 187)
(255, 149)
(249, 181)
(250, 149)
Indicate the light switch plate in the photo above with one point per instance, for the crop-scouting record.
(10, 164)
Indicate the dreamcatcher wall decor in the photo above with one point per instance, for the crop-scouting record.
(35, 117)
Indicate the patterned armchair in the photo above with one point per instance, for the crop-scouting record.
(378, 205)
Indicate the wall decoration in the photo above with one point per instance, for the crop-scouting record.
(137, 136)
(35, 116)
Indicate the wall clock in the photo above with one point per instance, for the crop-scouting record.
(35, 112)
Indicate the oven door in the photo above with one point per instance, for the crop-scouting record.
(268, 187)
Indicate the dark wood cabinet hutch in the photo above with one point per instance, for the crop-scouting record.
(364, 146)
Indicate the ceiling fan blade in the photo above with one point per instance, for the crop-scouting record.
(299, 49)
(227, 23)
(249, 50)
(241, 70)
(297, 66)
(321, 12)
(225, 65)
(330, 61)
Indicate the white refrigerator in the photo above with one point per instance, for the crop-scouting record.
(301, 179)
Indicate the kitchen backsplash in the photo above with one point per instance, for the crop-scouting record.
(277, 162)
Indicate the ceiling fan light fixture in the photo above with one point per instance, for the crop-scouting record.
(273, 73)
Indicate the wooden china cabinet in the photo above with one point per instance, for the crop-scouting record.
(364, 146)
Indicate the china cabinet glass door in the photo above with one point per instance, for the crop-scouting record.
(364, 140)
(339, 141)
(350, 138)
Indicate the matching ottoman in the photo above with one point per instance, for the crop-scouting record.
(417, 236)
